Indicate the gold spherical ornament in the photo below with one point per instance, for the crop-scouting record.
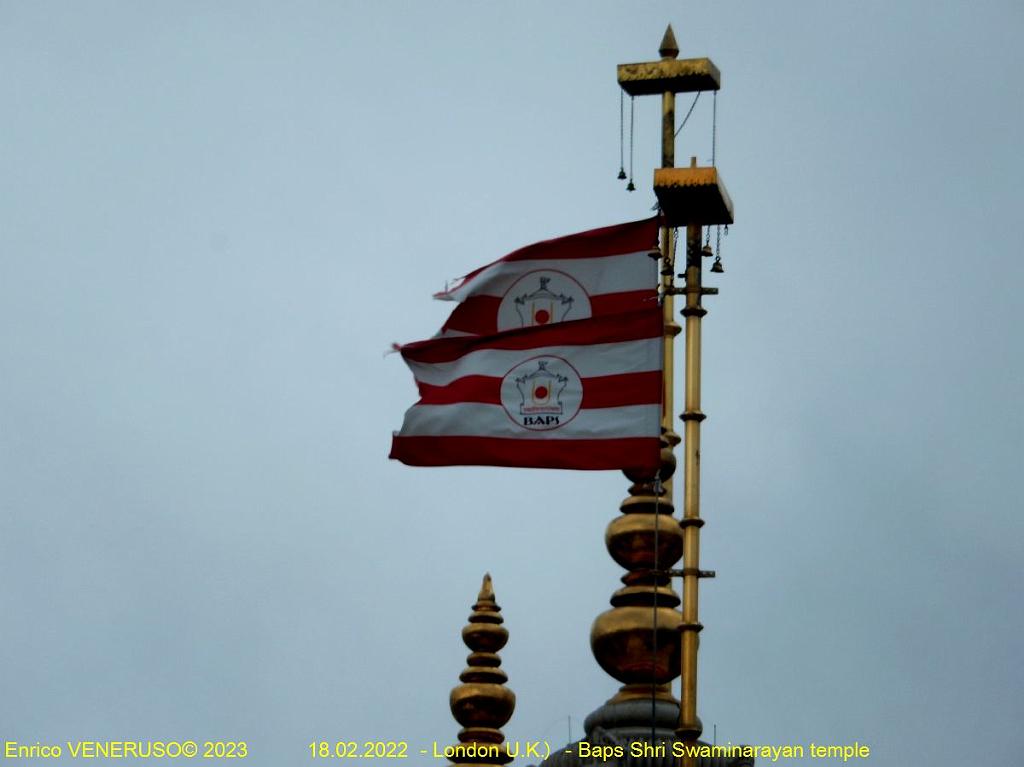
(622, 640)
(485, 637)
(482, 705)
(630, 541)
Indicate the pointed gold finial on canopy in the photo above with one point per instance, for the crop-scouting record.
(482, 704)
(669, 48)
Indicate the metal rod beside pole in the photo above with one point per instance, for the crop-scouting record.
(690, 726)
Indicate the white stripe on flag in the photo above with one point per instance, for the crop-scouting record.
(473, 419)
(589, 360)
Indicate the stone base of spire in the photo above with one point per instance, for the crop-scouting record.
(619, 734)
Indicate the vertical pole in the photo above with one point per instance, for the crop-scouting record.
(690, 726)
(668, 158)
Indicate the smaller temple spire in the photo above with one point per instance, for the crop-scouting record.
(482, 704)
(669, 48)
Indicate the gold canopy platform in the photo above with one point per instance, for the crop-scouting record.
(692, 196)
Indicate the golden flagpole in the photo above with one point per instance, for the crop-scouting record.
(692, 197)
(668, 51)
(690, 726)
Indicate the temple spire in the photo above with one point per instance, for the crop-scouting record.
(482, 704)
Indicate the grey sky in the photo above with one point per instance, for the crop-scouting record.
(215, 218)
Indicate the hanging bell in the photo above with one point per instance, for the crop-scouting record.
(717, 267)
(630, 187)
(622, 174)
(706, 251)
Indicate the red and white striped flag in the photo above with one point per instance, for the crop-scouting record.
(573, 395)
(590, 274)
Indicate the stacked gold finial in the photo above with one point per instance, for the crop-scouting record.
(482, 704)
(637, 641)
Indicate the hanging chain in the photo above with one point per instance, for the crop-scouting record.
(688, 113)
(714, 126)
(632, 109)
(622, 137)
(675, 243)
(714, 142)
(714, 155)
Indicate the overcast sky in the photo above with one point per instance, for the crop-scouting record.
(216, 217)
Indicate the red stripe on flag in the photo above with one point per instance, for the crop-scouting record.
(479, 314)
(639, 453)
(598, 392)
(619, 303)
(483, 389)
(631, 237)
(633, 326)
(621, 390)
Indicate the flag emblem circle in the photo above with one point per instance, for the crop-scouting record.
(542, 393)
(542, 297)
